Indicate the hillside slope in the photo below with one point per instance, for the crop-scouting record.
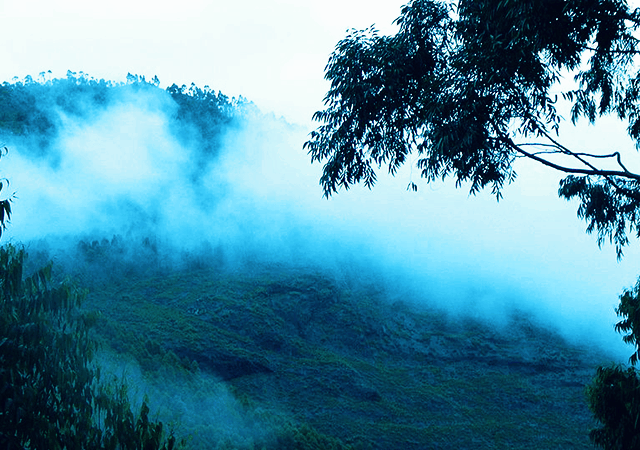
(335, 355)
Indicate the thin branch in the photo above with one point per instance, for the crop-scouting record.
(619, 158)
(617, 51)
(536, 144)
(568, 152)
(555, 152)
(612, 155)
(590, 171)
(606, 173)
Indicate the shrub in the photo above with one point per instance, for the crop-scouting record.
(51, 395)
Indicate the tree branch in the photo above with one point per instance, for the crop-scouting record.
(621, 52)
(567, 152)
(590, 171)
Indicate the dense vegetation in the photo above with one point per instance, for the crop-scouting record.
(57, 382)
(53, 396)
(308, 352)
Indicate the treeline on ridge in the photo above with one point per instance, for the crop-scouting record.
(31, 108)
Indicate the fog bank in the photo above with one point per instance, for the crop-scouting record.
(125, 169)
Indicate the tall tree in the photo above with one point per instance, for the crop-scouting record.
(470, 86)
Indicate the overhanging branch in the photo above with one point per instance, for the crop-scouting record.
(589, 171)
(592, 171)
(564, 151)
(613, 50)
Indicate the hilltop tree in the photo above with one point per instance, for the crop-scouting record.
(470, 86)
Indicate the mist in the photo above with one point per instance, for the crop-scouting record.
(127, 168)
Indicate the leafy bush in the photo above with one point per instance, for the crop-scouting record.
(614, 395)
(613, 398)
(50, 392)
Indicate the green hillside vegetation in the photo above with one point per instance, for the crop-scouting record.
(331, 354)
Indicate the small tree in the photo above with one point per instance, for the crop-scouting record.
(614, 395)
(51, 395)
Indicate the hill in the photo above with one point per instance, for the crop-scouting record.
(332, 353)
(225, 314)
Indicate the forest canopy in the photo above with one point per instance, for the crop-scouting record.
(32, 107)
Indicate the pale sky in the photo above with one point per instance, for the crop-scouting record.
(273, 52)
(270, 51)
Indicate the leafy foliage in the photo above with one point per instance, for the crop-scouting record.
(630, 309)
(207, 111)
(610, 209)
(613, 395)
(470, 86)
(5, 204)
(613, 398)
(19, 113)
(51, 393)
(203, 115)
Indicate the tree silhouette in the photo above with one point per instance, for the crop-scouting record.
(469, 87)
